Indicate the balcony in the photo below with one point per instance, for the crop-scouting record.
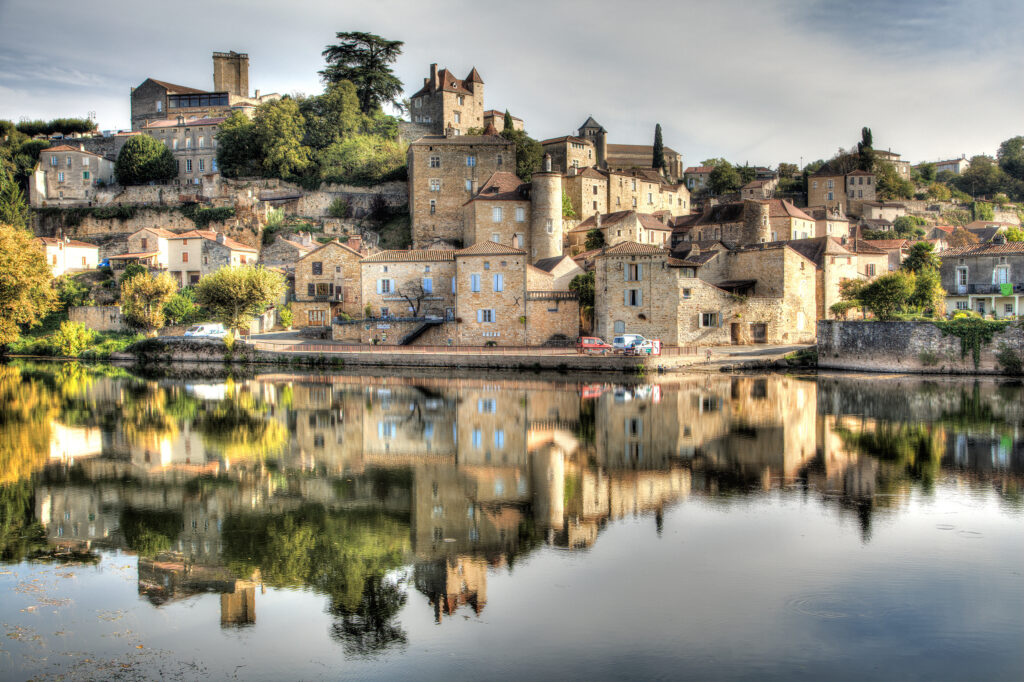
(984, 289)
(336, 297)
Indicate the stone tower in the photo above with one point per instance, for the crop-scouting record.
(231, 73)
(595, 132)
(546, 213)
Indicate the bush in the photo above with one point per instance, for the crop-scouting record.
(143, 159)
(275, 218)
(888, 295)
(361, 160)
(182, 308)
(132, 270)
(71, 292)
(339, 208)
(71, 339)
(285, 315)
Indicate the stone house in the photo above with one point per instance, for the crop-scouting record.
(328, 281)
(68, 175)
(735, 223)
(446, 103)
(834, 263)
(195, 254)
(895, 249)
(562, 270)
(788, 222)
(587, 191)
(986, 278)
(149, 243)
(955, 166)
(500, 212)
(698, 178)
(623, 226)
(760, 294)
(570, 151)
(647, 192)
(490, 281)
(847, 191)
(828, 222)
(285, 251)
(65, 256)
(493, 117)
(641, 156)
(888, 156)
(155, 100)
(193, 143)
(759, 189)
(988, 230)
(882, 210)
(444, 173)
(390, 279)
(871, 260)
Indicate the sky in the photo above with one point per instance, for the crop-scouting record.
(753, 81)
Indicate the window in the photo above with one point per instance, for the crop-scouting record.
(686, 293)
(634, 202)
(419, 102)
(860, 194)
(499, 282)
(85, 175)
(184, 256)
(188, 143)
(650, 197)
(469, 185)
(709, 319)
(868, 180)
(485, 315)
(478, 438)
(831, 184)
(428, 285)
(435, 161)
(316, 317)
(202, 141)
(174, 143)
(496, 214)
(517, 241)
(85, 161)
(188, 165)
(1001, 275)
(213, 165)
(595, 205)
(499, 439)
(458, 117)
(1007, 308)
(474, 283)
(318, 267)
(871, 270)
(831, 196)
(53, 160)
(433, 207)
(619, 326)
(471, 161)
(384, 286)
(435, 185)
(549, 226)
(60, 176)
(962, 305)
(68, 159)
(634, 272)
(486, 406)
(202, 165)
(961, 277)
(634, 297)
(520, 214)
(159, 105)
(495, 237)
(634, 185)
(144, 242)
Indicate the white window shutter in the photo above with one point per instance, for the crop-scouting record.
(393, 288)
(480, 316)
(639, 296)
(639, 271)
(379, 286)
(625, 297)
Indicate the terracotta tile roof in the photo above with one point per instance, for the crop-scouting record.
(495, 112)
(51, 241)
(861, 246)
(945, 228)
(632, 248)
(877, 223)
(67, 148)
(212, 236)
(592, 173)
(178, 89)
(755, 184)
(192, 122)
(979, 224)
(447, 82)
(333, 242)
(822, 213)
(141, 254)
(651, 222)
(586, 255)
(408, 255)
(984, 250)
(816, 248)
(502, 186)
(434, 140)
(567, 138)
(887, 243)
(159, 231)
(490, 249)
(782, 208)
(698, 169)
(474, 77)
(859, 172)
(606, 219)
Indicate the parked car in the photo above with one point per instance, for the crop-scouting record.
(624, 342)
(646, 347)
(207, 331)
(592, 344)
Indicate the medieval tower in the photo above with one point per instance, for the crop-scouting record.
(546, 213)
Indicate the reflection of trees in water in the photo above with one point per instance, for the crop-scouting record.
(908, 453)
(27, 407)
(345, 555)
(149, 532)
(239, 427)
(20, 534)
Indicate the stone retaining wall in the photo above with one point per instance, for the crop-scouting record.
(918, 347)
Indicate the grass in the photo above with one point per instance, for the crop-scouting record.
(36, 341)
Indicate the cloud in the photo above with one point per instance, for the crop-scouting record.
(776, 80)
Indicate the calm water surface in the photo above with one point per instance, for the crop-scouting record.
(324, 527)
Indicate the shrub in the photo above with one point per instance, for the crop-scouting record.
(71, 338)
(285, 315)
(1009, 360)
(132, 270)
(339, 208)
(361, 160)
(71, 292)
(275, 218)
(181, 308)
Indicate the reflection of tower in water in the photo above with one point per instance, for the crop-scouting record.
(548, 468)
(453, 582)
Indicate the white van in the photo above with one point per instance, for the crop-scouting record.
(624, 341)
(207, 331)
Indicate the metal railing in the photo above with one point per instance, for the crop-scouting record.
(337, 347)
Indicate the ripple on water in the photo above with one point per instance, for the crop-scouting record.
(945, 526)
(970, 535)
(826, 606)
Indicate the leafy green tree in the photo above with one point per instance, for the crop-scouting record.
(64, 126)
(922, 256)
(362, 160)
(1001, 199)
(235, 295)
(71, 292)
(889, 184)
(888, 295)
(865, 151)
(144, 159)
(928, 294)
(509, 124)
(724, 178)
(26, 291)
(908, 226)
(143, 298)
(747, 173)
(787, 170)
(595, 239)
(583, 285)
(132, 270)
(333, 115)
(238, 150)
(927, 172)
(982, 210)
(567, 210)
(280, 128)
(1011, 157)
(13, 209)
(181, 307)
(658, 160)
(714, 162)
(983, 176)
(286, 316)
(365, 60)
(939, 192)
(1014, 234)
(529, 152)
(71, 338)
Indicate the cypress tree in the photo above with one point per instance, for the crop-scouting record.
(659, 149)
(508, 121)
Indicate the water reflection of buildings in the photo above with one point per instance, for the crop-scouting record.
(478, 472)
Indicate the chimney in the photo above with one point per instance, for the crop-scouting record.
(433, 76)
(181, 120)
(356, 243)
(256, 94)
(597, 219)
(220, 237)
(694, 250)
(547, 163)
(572, 171)
(81, 147)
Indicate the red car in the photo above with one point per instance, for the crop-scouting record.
(592, 344)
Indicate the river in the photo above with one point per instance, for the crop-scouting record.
(509, 526)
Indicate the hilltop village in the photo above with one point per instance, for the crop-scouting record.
(470, 241)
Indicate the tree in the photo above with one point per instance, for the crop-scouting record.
(414, 294)
(747, 173)
(362, 160)
(983, 176)
(280, 128)
(962, 237)
(234, 295)
(144, 159)
(982, 210)
(365, 60)
(865, 151)
(529, 152)
(1014, 234)
(181, 308)
(724, 178)
(909, 226)
(928, 294)
(939, 192)
(333, 115)
(238, 151)
(26, 291)
(888, 294)
(583, 286)
(787, 170)
(1011, 157)
(595, 239)
(567, 210)
(508, 123)
(889, 184)
(13, 209)
(658, 160)
(927, 172)
(143, 298)
(71, 338)
(922, 256)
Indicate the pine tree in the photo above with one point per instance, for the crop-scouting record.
(508, 121)
(659, 149)
(365, 59)
(13, 210)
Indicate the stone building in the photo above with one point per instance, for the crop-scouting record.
(493, 117)
(447, 103)
(698, 178)
(68, 175)
(195, 254)
(426, 277)
(562, 270)
(499, 212)
(616, 157)
(150, 242)
(829, 222)
(955, 166)
(65, 256)
(759, 189)
(847, 191)
(834, 262)
(193, 143)
(985, 278)
(761, 294)
(882, 210)
(445, 173)
(734, 223)
(156, 100)
(286, 250)
(570, 151)
(896, 249)
(328, 281)
(587, 191)
(490, 281)
(623, 226)
(888, 156)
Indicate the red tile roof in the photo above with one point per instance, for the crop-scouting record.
(567, 138)
(51, 241)
(502, 186)
(409, 255)
(212, 236)
(698, 169)
(782, 208)
(495, 112)
(68, 148)
(490, 249)
(632, 248)
(333, 242)
(887, 243)
(984, 250)
(192, 122)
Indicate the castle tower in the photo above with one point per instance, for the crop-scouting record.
(595, 132)
(231, 73)
(546, 213)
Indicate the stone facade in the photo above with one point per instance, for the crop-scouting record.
(587, 192)
(491, 301)
(328, 281)
(882, 210)
(627, 156)
(570, 152)
(495, 118)
(68, 176)
(286, 250)
(423, 275)
(197, 253)
(734, 224)
(698, 177)
(100, 318)
(829, 222)
(447, 103)
(623, 226)
(646, 192)
(151, 240)
(847, 191)
(551, 314)
(193, 142)
(500, 213)
(444, 173)
(985, 278)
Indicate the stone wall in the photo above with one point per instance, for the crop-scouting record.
(361, 200)
(906, 347)
(551, 316)
(100, 318)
